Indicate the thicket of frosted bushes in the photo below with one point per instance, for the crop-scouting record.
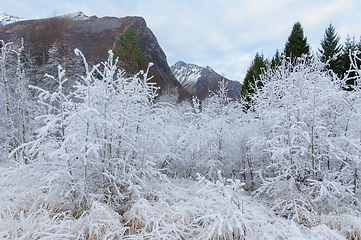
(109, 159)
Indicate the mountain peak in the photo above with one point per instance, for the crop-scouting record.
(210, 69)
(180, 62)
(187, 74)
(200, 81)
(77, 16)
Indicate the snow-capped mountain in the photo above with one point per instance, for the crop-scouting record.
(6, 19)
(187, 74)
(200, 81)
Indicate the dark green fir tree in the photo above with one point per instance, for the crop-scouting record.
(252, 79)
(330, 49)
(296, 44)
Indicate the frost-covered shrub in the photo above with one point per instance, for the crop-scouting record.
(99, 134)
(16, 106)
(303, 142)
(210, 137)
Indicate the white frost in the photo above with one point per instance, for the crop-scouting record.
(8, 19)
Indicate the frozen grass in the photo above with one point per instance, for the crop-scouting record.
(33, 206)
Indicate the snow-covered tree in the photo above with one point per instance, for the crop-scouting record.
(301, 138)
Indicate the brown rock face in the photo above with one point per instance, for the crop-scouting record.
(95, 36)
(209, 82)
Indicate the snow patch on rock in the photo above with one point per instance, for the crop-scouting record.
(6, 19)
(76, 16)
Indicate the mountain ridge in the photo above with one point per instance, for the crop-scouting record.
(96, 36)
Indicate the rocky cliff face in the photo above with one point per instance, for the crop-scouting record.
(95, 36)
(200, 81)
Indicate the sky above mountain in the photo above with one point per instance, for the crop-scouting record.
(222, 34)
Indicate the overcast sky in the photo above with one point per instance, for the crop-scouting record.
(222, 34)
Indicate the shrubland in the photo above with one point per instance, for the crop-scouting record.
(107, 158)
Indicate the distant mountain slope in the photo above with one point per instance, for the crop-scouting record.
(187, 74)
(6, 19)
(200, 81)
(96, 36)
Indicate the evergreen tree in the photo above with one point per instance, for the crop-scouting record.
(132, 59)
(252, 79)
(296, 44)
(276, 60)
(330, 48)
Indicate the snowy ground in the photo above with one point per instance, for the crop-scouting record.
(33, 206)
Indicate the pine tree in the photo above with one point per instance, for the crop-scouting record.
(132, 59)
(296, 44)
(330, 48)
(276, 60)
(252, 79)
